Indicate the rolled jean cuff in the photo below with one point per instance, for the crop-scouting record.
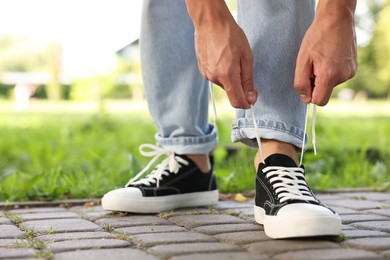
(189, 144)
(243, 131)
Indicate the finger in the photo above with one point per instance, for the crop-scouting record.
(210, 77)
(322, 90)
(203, 72)
(302, 78)
(234, 91)
(247, 81)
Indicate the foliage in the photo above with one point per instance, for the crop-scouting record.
(54, 87)
(56, 155)
(373, 75)
(381, 45)
(24, 54)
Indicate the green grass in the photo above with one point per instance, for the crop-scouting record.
(60, 155)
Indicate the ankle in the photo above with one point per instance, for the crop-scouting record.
(270, 146)
(201, 160)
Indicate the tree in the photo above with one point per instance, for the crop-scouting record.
(381, 48)
(25, 54)
(374, 58)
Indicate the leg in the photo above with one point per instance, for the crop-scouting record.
(178, 101)
(176, 92)
(275, 30)
(284, 203)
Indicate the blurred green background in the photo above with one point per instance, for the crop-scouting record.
(71, 122)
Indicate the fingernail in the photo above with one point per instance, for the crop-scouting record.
(251, 96)
(304, 98)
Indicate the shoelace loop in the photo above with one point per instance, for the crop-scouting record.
(171, 164)
(289, 184)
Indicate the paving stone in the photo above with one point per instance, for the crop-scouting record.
(323, 254)
(149, 229)
(386, 253)
(190, 248)
(29, 258)
(105, 254)
(348, 219)
(5, 221)
(84, 210)
(356, 204)
(373, 225)
(377, 196)
(1, 214)
(342, 211)
(280, 246)
(230, 204)
(12, 242)
(382, 212)
(8, 253)
(347, 227)
(248, 212)
(202, 220)
(245, 237)
(60, 225)
(372, 243)
(358, 233)
(185, 211)
(37, 210)
(73, 236)
(48, 215)
(226, 228)
(169, 238)
(93, 213)
(324, 197)
(131, 221)
(70, 245)
(93, 216)
(11, 231)
(221, 256)
(253, 221)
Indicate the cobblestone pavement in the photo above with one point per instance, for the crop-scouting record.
(225, 231)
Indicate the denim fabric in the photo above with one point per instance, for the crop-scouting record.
(275, 31)
(177, 94)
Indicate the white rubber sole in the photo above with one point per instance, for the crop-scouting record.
(299, 225)
(160, 203)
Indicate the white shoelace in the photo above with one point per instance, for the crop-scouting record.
(171, 164)
(289, 183)
(313, 131)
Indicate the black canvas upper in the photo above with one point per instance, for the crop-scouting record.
(189, 179)
(266, 196)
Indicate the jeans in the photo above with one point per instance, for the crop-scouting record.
(177, 94)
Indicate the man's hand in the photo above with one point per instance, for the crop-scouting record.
(327, 56)
(223, 52)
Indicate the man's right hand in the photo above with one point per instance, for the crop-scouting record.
(223, 52)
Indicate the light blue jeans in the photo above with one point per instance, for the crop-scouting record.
(177, 94)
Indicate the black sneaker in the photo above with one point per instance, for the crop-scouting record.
(286, 206)
(175, 183)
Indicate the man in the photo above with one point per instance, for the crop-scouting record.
(278, 45)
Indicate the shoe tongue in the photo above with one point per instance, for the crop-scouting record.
(280, 160)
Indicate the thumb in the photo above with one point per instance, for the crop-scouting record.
(303, 79)
(247, 81)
